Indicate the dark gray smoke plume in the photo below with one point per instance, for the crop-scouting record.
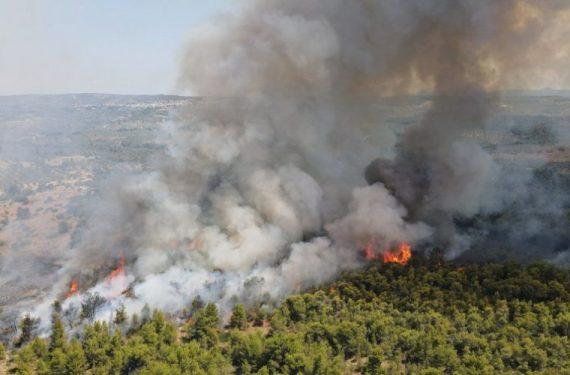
(280, 178)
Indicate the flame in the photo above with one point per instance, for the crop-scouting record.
(117, 272)
(116, 281)
(400, 255)
(72, 288)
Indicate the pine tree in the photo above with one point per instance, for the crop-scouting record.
(260, 316)
(56, 305)
(117, 352)
(75, 363)
(204, 328)
(146, 313)
(90, 304)
(374, 364)
(120, 316)
(40, 348)
(27, 327)
(24, 361)
(57, 337)
(135, 323)
(57, 361)
(197, 304)
(238, 319)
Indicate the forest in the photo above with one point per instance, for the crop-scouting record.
(427, 317)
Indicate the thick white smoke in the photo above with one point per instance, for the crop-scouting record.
(264, 191)
(232, 216)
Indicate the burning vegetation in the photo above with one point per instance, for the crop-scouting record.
(278, 188)
(72, 288)
(115, 282)
(119, 272)
(425, 318)
(401, 254)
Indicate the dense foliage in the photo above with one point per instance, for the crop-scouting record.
(425, 318)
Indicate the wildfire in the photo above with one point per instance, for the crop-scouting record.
(117, 272)
(116, 279)
(400, 255)
(116, 282)
(72, 288)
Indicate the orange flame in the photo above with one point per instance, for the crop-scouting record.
(72, 288)
(117, 272)
(401, 255)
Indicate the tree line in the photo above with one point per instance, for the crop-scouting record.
(429, 317)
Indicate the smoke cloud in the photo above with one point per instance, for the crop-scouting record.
(278, 180)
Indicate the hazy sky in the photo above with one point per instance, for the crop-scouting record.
(134, 46)
(110, 46)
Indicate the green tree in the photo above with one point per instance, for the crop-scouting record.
(57, 336)
(24, 362)
(260, 316)
(205, 326)
(39, 348)
(477, 319)
(297, 308)
(117, 353)
(374, 364)
(90, 304)
(238, 319)
(247, 352)
(351, 338)
(42, 367)
(75, 363)
(197, 304)
(146, 313)
(137, 356)
(120, 316)
(27, 326)
(135, 322)
(97, 344)
(57, 362)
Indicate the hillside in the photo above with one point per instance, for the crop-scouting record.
(429, 317)
(62, 157)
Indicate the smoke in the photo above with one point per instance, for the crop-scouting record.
(280, 177)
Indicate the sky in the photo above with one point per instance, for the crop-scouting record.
(103, 46)
(135, 46)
